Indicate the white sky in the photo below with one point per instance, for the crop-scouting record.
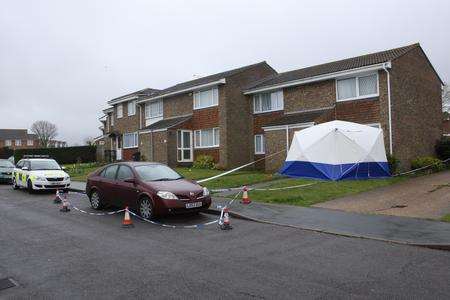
(62, 60)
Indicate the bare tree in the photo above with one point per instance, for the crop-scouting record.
(89, 141)
(45, 132)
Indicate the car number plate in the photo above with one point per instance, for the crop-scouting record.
(54, 183)
(194, 204)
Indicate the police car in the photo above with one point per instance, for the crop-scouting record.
(39, 174)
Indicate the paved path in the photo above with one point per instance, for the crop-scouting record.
(387, 228)
(54, 255)
(421, 197)
(78, 186)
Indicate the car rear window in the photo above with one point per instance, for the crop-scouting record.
(156, 173)
(110, 172)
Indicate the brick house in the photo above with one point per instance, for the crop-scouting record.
(243, 114)
(18, 139)
(397, 90)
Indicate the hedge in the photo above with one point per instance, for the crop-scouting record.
(443, 148)
(6, 152)
(67, 155)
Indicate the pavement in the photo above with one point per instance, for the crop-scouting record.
(78, 186)
(420, 197)
(402, 230)
(55, 255)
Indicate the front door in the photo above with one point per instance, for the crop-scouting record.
(184, 146)
(119, 147)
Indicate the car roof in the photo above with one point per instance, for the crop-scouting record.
(135, 163)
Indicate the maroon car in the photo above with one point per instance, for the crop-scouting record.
(149, 188)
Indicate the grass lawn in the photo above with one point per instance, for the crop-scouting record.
(446, 218)
(320, 192)
(79, 172)
(235, 179)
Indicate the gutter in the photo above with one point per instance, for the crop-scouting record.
(385, 66)
(197, 87)
(316, 78)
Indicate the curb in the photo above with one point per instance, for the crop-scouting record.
(445, 247)
(77, 190)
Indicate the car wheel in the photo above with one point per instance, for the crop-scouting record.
(30, 187)
(96, 201)
(14, 183)
(145, 208)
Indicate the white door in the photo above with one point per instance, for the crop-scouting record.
(118, 148)
(184, 146)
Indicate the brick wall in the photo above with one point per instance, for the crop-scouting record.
(359, 111)
(126, 123)
(416, 107)
(178, 105)
(309, 96)
(446, 127)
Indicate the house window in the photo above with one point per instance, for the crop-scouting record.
(259, 144)
(131, 108)
(154, 109)
(357, 87)
(266, 102)
(18, 142)
(7, 143)
(29, 142)
(119, 111)
(206, 98)
(130, 140)
(206, 138)
(112, 119)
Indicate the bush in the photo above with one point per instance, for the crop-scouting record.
(434, 163)
(393, 163)
(204, 162)
(6, 152)
(67, 155)
(443, 148)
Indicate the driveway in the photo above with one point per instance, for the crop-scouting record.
(421, 197)
(72, 255)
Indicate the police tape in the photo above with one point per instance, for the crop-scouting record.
(96, 214)
(240, 167)
(422, 168)
(264, 189)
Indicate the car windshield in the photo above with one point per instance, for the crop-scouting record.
(48, 164)
(157, 173)
(6, 164)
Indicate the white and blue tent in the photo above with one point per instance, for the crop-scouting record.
(337, 150)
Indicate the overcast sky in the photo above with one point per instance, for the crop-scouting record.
(62, 60)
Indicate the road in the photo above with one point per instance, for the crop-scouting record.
(72, 255)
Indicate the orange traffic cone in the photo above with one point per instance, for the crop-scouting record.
(127, 223)
(245, 198)
(65, 205)
(225, 221)
(57, 199)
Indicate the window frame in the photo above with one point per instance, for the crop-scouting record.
(181, 148)
(8, 143)
(121, 111)
(358, 96)
(262, 144)
(215, 98)
(216, 143)
(125, 167)
(115, 174)
(150, 120)
(136, 140)
(18, 142)
(133, 105)
(261, 111)
(30, 142)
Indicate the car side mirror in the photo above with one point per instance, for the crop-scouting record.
(63, 168)
(130, 180)
(25, 168)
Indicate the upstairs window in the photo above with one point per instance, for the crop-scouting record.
(154, 109)
(357, 87)
(7, 143)
(29, 142)
(206, 98)
(130, 140)
(207, 138)
(131, 108)
(18, 142)
(267, 102)
(119, 111)
(111, 117)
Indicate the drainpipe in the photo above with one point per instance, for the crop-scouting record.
(287, 139)
(389, 104)
(151, 145)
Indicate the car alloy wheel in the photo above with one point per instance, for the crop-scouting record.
(95, 200)
(15, 186)
(30, 187)
(145, 208)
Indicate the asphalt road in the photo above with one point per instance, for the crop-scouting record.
(73, 255)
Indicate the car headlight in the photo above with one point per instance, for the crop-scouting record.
(66, 177)
(167, 195)
(40, 178)
(205, 192)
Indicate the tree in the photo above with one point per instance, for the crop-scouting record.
(89, 141)
(45, 132)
